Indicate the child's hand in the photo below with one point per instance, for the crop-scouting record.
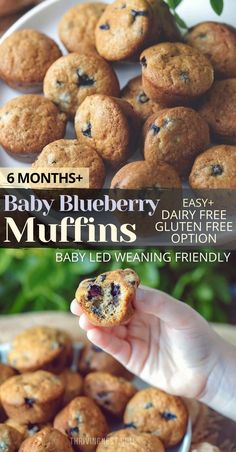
(167, 344)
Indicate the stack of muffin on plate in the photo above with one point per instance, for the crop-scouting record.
(184, 97)
(46, 403)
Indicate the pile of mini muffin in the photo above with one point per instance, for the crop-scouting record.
(180, 113)
(52, 399)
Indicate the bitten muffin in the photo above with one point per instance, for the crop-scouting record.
(218, 43)
(109, 125)
(84, 423)
(142, 174)
(73, 154)
(28, 123)
(107, 300)
(109, 392)
(40, 347)
(130, 441)
(75, 76)
(26, 429)
(73, 383)
(215, 168)
(175, 74)
(5, 373)
(10, 439)
(219, 110)
(78, 24)
(93, 358)
(49, 439)
(25, 57)
(153, 411)
(175, 136)
(32, 397)
(123, 29)
(142, 105)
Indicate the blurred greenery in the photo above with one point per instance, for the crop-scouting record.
(32, 280)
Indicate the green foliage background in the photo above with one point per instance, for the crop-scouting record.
(31, 280)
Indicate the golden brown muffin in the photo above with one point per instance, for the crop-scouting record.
(72, 154)
(49, 439)
(84, 423)
(175, 73)
(41, 347)
(28, 123)
(218, 43)
(219, 110)
(5, 373)
(25, 57)
(10, 439)
(142, 105)
(109, 125)
(107, 300)
(169, 28)
(75, 76)
(94, 359)
(78, 24)
(32, 397)
(73, 383)
(130, 441)
(175, 136)
(108, 391)
(123, 29)
(142, 174)
(215, 168)
(154, 411)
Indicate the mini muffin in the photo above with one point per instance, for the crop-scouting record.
(73, 383)
(93, 358)
(175, 136)
(175, 74)
(49, 439)
(123, 29)
(40, 347)
(10, 439)
(84, 423)
(142, 174)
(109, 392)
(28, 123)
(78, 24)
(153, 411)
(219, 110)
(204, 447)
(5, 373)
(32, 397)
(73, 154)
(130, 441)
(215, 168)
(218, 43)
(142, 105)
(26, 429)
(169, 28)
(25, 57)
(107, 300)
(75, 76)
(109, 125)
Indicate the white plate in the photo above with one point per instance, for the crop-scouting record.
(185, 444)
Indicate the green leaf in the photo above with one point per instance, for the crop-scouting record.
(180, 21)
(173, 3)
(218, 6)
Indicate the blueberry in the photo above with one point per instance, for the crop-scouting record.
(33, 428)
(143, 61)
(29, 401)
(130, 425)
(184, 76)
(216, 170)
(104, 27)
(168, 416)
(148, 405)
(94, 291)
(103, 277)
(155, 129)
(136, 13)
(115, 292)
(59, 83)
(102, 394)
(96, 349)
(73, 431)
(142, 98)
(87, 130)
(97, 311)
(84, 79)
